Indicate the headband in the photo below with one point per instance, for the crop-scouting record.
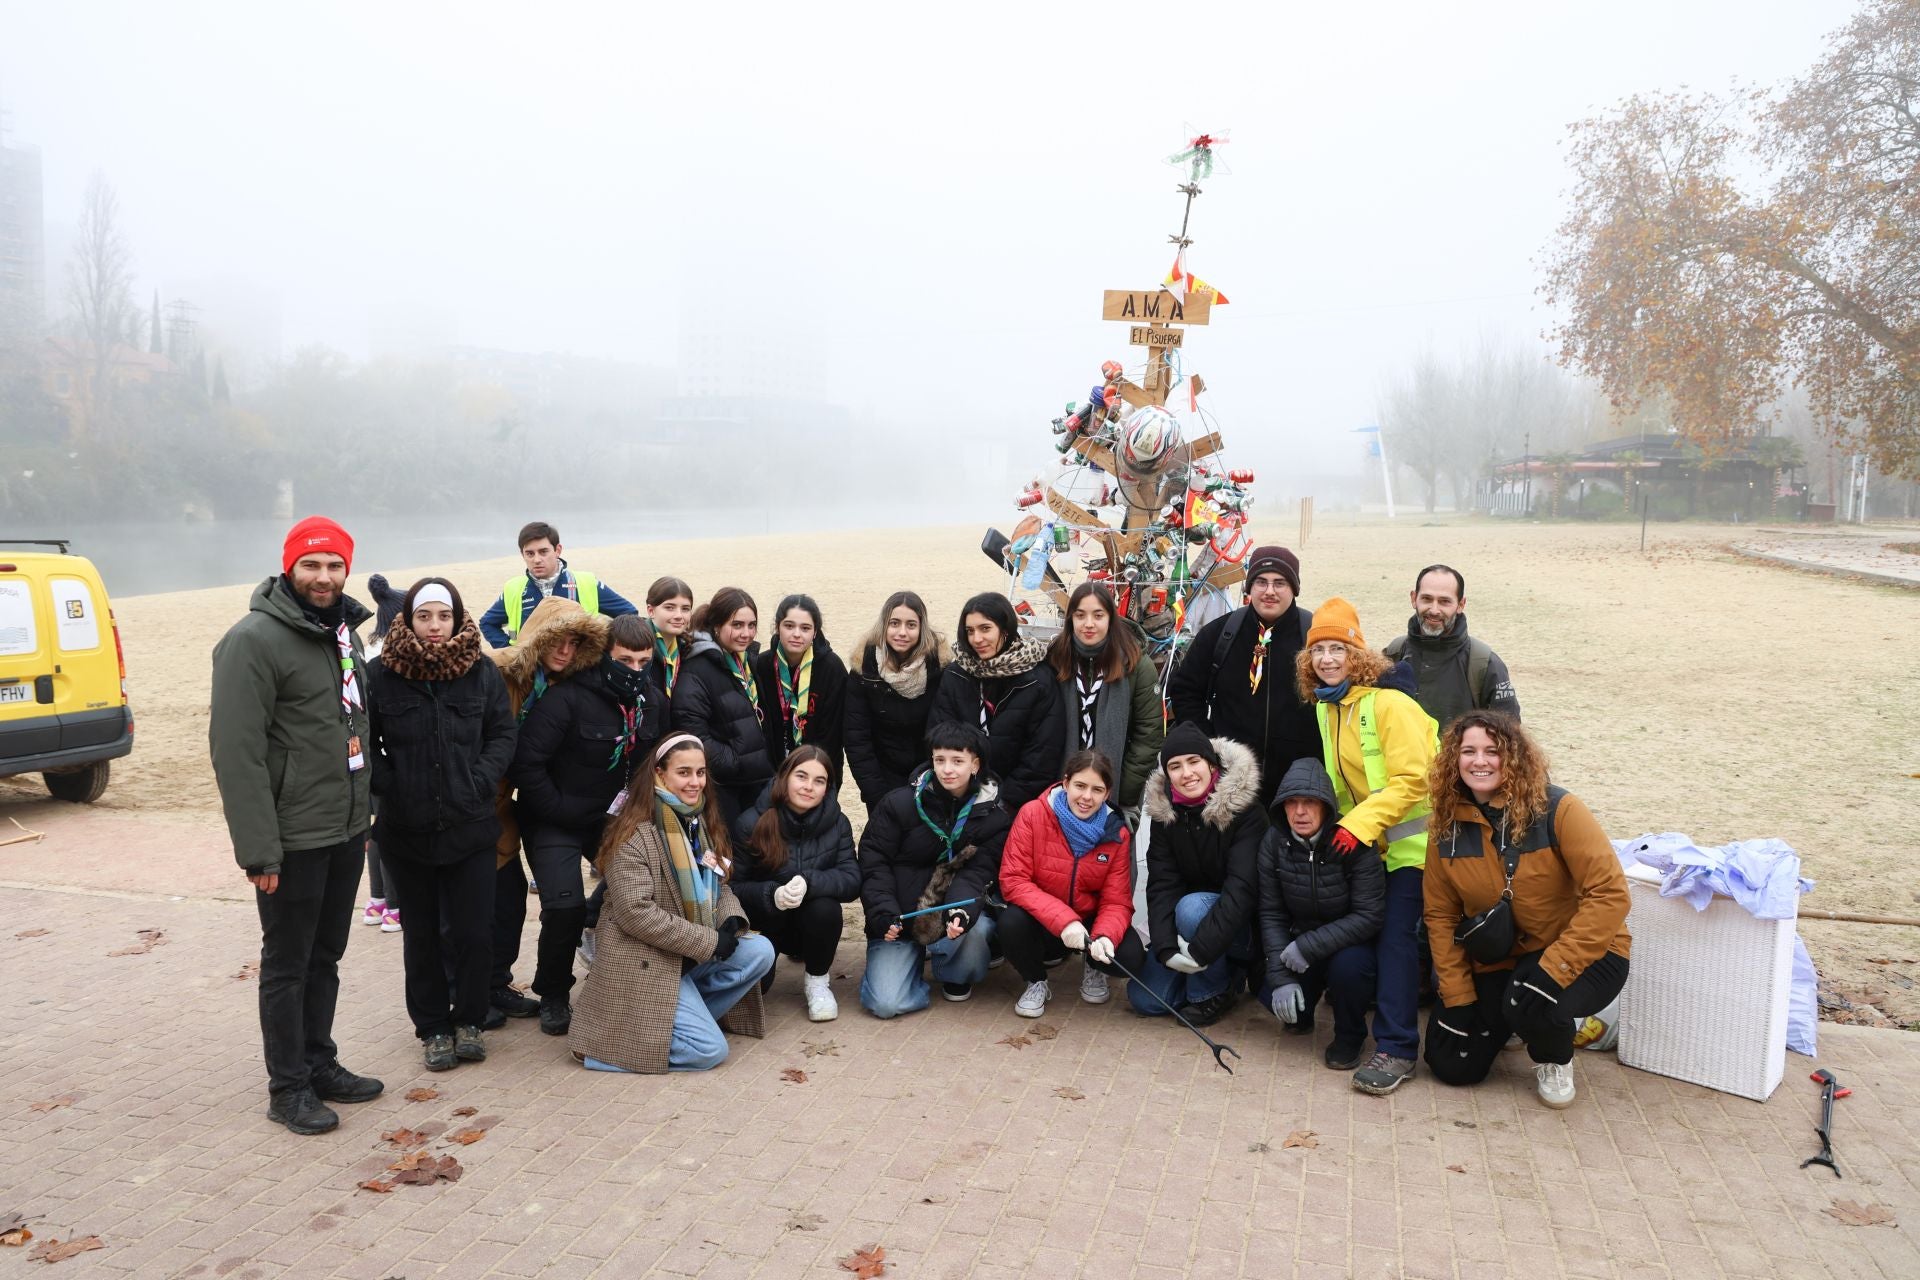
(669, 743)
(432, 593)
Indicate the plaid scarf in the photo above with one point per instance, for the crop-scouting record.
(796, 692)
(695, 870)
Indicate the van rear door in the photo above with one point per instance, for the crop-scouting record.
(86, 681)
(28, 725)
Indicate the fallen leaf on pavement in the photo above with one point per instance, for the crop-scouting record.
(1301, 1138)
(1855, 1214)
(52, 1250)
(1456, 1168)
(1014, 1042)
(1068, 1092)
(13, 1229)
(377, 1184)
(33, 933)
(825, 1047)
(794, 1075)
(423, 1169)
(1043, 1031)
(422, 1095)
(467, 1137)
(465, 1111)
(866, 1263)
(404, 1137)
(149, 939)
(54, 1104)
(805, 1221)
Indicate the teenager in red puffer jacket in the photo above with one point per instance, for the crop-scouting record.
(1067, 875)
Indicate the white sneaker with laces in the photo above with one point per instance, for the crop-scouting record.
(1554, 1082)
(821, 1006)
(1093, 986)
(1033, 1001)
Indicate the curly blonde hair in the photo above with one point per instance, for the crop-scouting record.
(1364, 667)
(1523, 773)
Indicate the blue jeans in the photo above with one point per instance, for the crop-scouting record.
(707, 992)
(1189, 988)
(1347, 979)
(893, 985)
(1396, 1002)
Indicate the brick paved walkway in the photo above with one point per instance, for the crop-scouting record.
(926, 1136)
(1867, 553)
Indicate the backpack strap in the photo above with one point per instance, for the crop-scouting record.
(1396, 646)
(1479, 655)
(1222, 645)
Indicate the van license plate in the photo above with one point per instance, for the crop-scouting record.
(15, 693)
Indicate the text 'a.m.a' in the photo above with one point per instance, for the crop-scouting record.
(1155, 305)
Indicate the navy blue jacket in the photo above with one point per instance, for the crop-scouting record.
(493, 623)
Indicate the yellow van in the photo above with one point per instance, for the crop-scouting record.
(63, 675)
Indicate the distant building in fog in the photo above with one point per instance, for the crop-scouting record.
(23, 253)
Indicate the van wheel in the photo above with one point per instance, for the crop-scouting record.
(81, 786)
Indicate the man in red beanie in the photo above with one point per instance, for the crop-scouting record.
(1236, 678)
(285, 729)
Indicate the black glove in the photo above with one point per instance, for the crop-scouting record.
(960, 914)
(1533, 998)
(1459, 1020)
(729, 938)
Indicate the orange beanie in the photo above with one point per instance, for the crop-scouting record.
(1336, 620)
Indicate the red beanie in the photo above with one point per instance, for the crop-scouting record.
(315, 533)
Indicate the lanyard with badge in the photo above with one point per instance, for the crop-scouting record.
(350, 698)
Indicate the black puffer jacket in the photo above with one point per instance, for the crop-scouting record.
(1307, 891)
(819, 847)
(1211, 688)
(886, 734)
(901, 864)
(1212, 849)
(1023, 736)
(564, 766)
(710, 703)
(827, 691)
(439, 748)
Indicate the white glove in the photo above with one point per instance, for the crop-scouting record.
(1181, 961)
(1075, 936)
(1289, 1002)
(1101, 949)
(791, 894)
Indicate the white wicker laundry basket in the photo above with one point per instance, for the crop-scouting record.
(1706, 995)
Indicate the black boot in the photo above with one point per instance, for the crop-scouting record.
(302, 1112)
(556, 1017)
(512, 1003)
(334, 1083)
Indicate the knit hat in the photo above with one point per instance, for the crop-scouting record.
(315, 533)
(1274, 560)
(1188, 739)
(1336, 620)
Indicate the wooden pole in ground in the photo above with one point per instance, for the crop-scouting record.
(1856, 917)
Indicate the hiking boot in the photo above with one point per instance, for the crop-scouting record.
(468, 1046)
(1033, 1001)
(821, 1006)
(439, 1054)
(1383, 1074)
(513, 1004)
(1212, 1009)
(555, 1017)
(957, 991)
(334, 1083)
(1344, 1055)
(1553, 1081)
(1093, 986)
(302, 1112)
(494, 1020)
(376, 911)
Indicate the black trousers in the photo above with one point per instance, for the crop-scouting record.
(304, 925)
(559, 857)
(509, 918)
(448, 910)
(1028, 945)
(1467, 1059)
(810, 933)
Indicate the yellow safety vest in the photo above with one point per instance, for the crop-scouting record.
(1406, 839)
(514, 596)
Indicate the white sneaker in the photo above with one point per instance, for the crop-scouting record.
(375, 912)
(1093, 986)
(1554, 1083)
(1033, 1001)
(821, 1006)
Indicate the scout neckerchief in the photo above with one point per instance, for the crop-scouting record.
(666, 649)
(629, 735)
(534, 694)
(1087, 681)
(796, 692)
(744, 674)
(696, 871)
(349, 697)
(947, 838)
(1259, 669)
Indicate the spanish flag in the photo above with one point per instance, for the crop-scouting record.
(1180, 282)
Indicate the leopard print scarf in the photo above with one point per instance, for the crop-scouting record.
(411, 658)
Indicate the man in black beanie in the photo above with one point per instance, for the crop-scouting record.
(1236, 678)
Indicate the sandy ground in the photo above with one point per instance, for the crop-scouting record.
(1681, 690)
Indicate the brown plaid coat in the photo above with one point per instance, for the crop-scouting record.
(624, 1013)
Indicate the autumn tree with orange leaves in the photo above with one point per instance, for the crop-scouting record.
(1720, 248)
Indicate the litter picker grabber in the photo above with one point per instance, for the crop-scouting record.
(1829, 1090)
(1218, 1048)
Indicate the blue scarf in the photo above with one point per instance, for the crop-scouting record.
(1333, 693)
(1082, 833)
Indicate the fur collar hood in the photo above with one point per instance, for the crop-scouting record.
(1234, 792)
(551, 620)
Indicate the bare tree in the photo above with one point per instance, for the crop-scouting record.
(100, 287)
